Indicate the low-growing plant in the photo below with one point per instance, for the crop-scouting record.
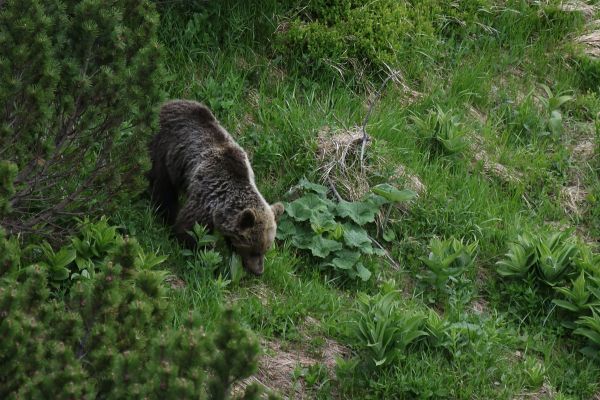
(552, 106)
(335, 232)
(589, 327)
(447, 262)
(86, 252)
(552, 261)
(383, 330)
(442, 131)
(580, 297)
(549, 256)
(535, 371)
(209, 255)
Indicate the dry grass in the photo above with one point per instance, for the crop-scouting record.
(175, 282)
(491, 168)
(409, 180)
(339, 161)
(546, 392)
(588, 10)
(280, 360)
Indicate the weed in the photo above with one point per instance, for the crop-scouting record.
(382, 330)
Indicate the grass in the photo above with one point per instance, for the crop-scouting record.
(502, 346)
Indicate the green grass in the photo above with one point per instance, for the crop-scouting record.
(222, 56)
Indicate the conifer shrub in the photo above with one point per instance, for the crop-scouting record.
(110, 335)
(80, 80)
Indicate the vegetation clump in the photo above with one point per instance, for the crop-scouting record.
(80, 83)
(108, 335)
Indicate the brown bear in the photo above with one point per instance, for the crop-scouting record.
(192, 153)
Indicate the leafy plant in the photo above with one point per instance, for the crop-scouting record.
(535, 372)
(552, 104)
(333, 232)
(112, 336)
(580, 297)
(549, 256)
(448, 260)
(209, 254)
(383, 330)
(589, 326)
(87, 251)
(443, 131)
(519, 259)
(393, 196)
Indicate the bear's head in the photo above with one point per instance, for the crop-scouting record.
(253, 234)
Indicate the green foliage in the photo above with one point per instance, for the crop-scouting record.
(448, 261)
(383, 330)
(8, 173)
(546, 261)
(334, 232)
(589, 327)
(552, 104)
(338, 34)
(442, 131)
(86, 252)
(209, 254)
(111, 336)
(80, 83)
(580, 297)
(549, 256)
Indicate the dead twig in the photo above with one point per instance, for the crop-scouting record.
(365, 137)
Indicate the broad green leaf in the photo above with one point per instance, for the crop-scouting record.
(566, 305)
(64, 257)
(303, 208)
(389, 235)
(59, 273)
(392, 194)
(322, 221)
(359, 212)
(555, 103)
(362, 272)
(355, 236)
(555, 122)
(321, 247)
(303, 238)
(320, 189)
(285, 228)
(344, 259)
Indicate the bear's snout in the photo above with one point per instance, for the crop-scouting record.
(254, 264)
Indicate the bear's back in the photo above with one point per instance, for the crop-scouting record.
(192, 140)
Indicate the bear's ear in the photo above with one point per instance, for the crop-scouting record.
(246, 219)
(277, 210)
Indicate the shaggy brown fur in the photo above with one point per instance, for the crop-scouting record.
(192, 153)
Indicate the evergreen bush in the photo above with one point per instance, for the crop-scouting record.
(80, 80)
(110, 335)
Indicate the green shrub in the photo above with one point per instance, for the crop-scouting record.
(384, 331)
(340, 34)
(80, 80)
(111, 335)
(334, 232)
(554, 267)
(448, 262)
(442, 132)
